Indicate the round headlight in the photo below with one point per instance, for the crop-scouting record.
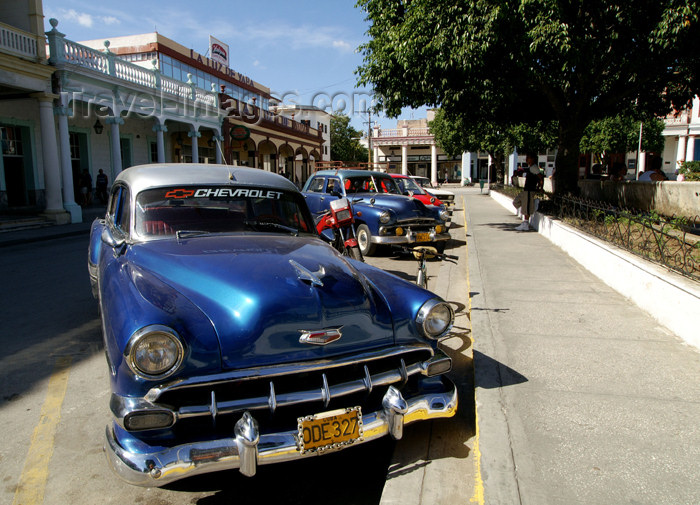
(435, 318)
(155, 352)
(384, 217)
(444, 215)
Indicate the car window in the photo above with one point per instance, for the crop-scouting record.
(410, 185)
(371, 183)
(220, 209)
(118, 212)
(316, 185)
(123, 220)
(334, 185)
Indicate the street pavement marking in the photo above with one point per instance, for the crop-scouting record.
(478, 496)
(32, 482)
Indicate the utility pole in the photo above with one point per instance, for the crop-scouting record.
(369, 138)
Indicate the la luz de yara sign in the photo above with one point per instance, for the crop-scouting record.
(220, 67)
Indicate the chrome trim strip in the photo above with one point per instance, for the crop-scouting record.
(162, 467)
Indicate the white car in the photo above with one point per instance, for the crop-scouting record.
(447, 197)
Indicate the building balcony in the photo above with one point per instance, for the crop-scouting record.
(19, 43)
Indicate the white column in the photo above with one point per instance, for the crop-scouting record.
(49, 149)
(433, 164)
(466, 167)
(642, 165)
(512, 165)
(160, 142)
(76, 213)
(680, 152)
(488, 170)
(375, 158)
(116, 144)
(690, 149)
(404, 159)
(194, 135)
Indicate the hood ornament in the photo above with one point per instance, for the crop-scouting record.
(320, 337)
(307, 275)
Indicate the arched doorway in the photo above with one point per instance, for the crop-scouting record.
(267, 156)
(286, 160)
(301, 165)
(241, 152)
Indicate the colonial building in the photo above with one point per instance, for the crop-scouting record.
(68, 109)
(410, 149)
(252, 132)
(29, 169)
(681, 134)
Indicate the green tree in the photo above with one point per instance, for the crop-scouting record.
(506, 62)
(456, 134)
(345, 145)
(620, 134)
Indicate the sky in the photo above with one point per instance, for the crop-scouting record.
(305, 51)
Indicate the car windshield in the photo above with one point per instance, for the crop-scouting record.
(219, 209)
(407, 185)
(423, 181)
(371, 183)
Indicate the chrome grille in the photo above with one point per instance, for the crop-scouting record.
(273, 388)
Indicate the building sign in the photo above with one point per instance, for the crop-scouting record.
(239, 132)
(218, 51)
(221, 67)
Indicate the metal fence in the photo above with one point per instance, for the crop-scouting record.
(673, 242)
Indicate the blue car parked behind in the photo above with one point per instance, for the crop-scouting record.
(382, 214)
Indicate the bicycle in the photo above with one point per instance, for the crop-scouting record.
(422, 254)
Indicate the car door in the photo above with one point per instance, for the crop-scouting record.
(320, 191)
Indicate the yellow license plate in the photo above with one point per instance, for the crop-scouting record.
(422, 237)
(329, 430)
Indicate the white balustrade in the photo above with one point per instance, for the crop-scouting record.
(86, 57)
(18, 42)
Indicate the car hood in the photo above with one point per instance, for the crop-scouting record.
(403, 206)
(262, 292)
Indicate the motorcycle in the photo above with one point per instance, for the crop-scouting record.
(341, 221)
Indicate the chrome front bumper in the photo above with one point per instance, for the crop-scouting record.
(403, 239)
(247, 448)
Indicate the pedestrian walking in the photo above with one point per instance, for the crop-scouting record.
(85, 188)
(526, 198)
(101, 183)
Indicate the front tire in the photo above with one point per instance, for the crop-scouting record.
(364, 240)
(355, 253)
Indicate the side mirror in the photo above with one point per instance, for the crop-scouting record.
(115, 243)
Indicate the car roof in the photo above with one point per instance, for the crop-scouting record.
(399, 176)
(156, 175)
(350, 173)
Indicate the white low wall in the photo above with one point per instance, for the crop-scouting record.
(670, 298)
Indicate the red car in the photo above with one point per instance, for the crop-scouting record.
(409, 187)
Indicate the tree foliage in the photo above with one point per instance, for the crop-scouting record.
(345, 145)
(620, 134)
(504, 62)
(454, 134)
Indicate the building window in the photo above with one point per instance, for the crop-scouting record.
(153, 150)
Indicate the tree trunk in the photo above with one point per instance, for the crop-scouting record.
(566, 174)
(500, 169)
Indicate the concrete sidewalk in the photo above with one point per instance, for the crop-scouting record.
(581, 396)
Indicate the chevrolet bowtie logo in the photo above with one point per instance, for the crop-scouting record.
(320, 337)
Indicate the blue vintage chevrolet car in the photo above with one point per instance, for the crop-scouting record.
(383, 215)
(236, 337)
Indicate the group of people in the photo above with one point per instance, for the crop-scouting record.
(85, 185)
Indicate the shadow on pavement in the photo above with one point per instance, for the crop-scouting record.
(493, 374)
